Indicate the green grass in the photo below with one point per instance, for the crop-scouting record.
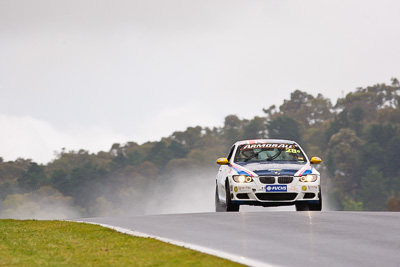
(58, 243)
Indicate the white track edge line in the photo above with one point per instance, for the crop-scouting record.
(202, 249)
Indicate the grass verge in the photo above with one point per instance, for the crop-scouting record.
(57, 243)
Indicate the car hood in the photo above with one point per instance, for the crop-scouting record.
(267, 169)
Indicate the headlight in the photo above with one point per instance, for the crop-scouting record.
(308, 178)
(242, 179)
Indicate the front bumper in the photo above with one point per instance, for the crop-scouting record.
(274, 194)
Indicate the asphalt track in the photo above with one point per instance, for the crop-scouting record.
(280, 238)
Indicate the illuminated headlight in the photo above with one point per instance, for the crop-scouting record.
(308, 178)
(242, 179)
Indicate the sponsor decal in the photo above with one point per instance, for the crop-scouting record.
(292, 188)
(274, 170)
(292, 150)
(276, 188)
(241, 188)
(304, 188)
(312, 187)
(236, 189)
(253, 146)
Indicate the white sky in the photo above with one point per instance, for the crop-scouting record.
(86, 74)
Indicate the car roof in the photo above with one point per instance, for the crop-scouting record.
(260, 141)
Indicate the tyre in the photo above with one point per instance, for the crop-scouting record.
(316, 206)
(302, 206)
(218, 205)
(229, 205)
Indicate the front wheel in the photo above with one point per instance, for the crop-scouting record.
(302, 206)
(229, 205)
(218, 205)
(316, 206)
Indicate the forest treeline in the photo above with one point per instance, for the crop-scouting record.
(358, 139)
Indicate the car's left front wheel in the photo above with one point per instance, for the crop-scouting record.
(316, 206)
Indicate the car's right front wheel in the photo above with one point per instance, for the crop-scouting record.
(229, 205)
(218, 205)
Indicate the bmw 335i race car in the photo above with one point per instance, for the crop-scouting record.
(267, 172)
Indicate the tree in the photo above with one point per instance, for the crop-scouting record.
(270, 111)
(232, 130)
(395, 82)
(188, 138)
(33, 178)
(135, 157)
(119, 161)
(393, 203)
(86, 183)
(177, 150)
(350, 204)
(283, 127)
(255, 128)
(357, 114)
(306, 109)
(374, 195)
(382, 143)
(343, 161)
(61, 182)
(371, 100)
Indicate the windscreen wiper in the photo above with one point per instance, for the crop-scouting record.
(274, 156)
(252, 156)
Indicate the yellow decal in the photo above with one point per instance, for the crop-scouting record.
(292, 150)
(236, 189)
(304, 188)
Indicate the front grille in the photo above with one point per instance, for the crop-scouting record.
(242, 196)
(309, 195)
(267, 179)
(285, 179)
(276, 196)
(281, 179)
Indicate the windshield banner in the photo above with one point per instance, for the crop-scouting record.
(253, 146)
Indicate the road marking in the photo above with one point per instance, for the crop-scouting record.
(221, 254)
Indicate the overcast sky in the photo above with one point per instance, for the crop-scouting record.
(87, 74)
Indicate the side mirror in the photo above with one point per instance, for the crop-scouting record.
(315, 160)
(222, 161)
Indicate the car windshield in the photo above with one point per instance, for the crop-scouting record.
(269, 152)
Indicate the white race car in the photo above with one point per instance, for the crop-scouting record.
(267, 172)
